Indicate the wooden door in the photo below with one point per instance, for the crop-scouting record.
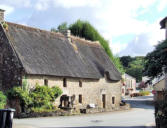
(104, 100)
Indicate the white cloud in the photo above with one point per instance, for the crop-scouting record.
(117, 47)
(8, 9)
(139, 46)
(161, 5)
(18, 3)
(77, 3)
(42, 5)
(112, 18)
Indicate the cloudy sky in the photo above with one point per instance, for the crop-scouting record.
(131, 26)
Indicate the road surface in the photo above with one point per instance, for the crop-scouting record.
(139, 116)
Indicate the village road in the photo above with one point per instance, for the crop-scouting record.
(139, 116)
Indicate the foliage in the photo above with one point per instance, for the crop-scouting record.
(44, 96)
(118, 64)
(40, 97)
(161, 111)
(62, 26)
(22, 95)
(144, 93)
(133, 66)
(2, 100)
(125, 60)
(85, 30)
(5, 25)
(155, 61)
(42, 109)
(25, 85)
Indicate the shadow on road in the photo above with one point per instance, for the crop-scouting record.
(144, 102)
(101, 127)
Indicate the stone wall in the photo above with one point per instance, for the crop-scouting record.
(91, 90)
(10, 68)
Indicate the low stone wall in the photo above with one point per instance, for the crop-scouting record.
(71, 112)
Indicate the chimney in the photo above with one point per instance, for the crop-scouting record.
(1, 15)
(66, 33)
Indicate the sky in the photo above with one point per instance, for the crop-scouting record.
(131, 26)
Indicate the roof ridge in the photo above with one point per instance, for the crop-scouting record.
(59, 34)
(35, 29)
(85, 41)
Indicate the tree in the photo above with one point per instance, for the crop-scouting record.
(133, 66)
(85, 30)
(125, 60)
(62, 26)
(156, 61)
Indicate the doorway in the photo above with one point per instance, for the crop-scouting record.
(104, 100)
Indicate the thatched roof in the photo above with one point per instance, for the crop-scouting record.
(49, 53)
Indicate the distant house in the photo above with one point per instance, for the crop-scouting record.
(129, 84)
(159, 87)
(81, 68)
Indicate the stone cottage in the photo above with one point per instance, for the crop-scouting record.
(81, 68)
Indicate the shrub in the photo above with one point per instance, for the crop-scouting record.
(42, 97)
(42, 109)
(2, 100)
(161, 114)
(161, 111)
(22, 95)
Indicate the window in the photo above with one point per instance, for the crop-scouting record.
(104, 100)
(45, 82)
(64, 82)
(80, 83)
(80, 98)
(113, 100)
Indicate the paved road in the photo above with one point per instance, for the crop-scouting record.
(139, 116)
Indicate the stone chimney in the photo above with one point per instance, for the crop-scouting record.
(66, 33)
(1, 15)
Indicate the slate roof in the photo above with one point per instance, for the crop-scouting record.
(48, 53)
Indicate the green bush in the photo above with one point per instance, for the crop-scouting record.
(42, 109)
(2, 100)
(144, 93)
(42, 97)
(161, 113)
(22, 95)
